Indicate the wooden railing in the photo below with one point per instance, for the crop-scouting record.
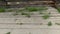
(28, 3)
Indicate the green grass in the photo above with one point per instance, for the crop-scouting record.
(49, 23)
(20, 23)
(46, 16)
(42, 8)
(8, 33)
(2, 10)
(26, 14)
(29, 10)
(20, 10)
(15, 14)
(58, 10)
(33, 9)
(57, 23)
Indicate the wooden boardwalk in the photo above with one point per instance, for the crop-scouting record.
(31, 25)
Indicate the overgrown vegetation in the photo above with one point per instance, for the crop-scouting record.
(57, 23)
(8, 33)
(23, 13)
(58, 10)
(20, 23)
(42, 8)
(46, 16)
(29, 10)
(2, 10)
(26, 14)
(34, 9)
(49, 23)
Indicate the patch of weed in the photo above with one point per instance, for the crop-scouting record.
(58, 10)
(42, 8)
(46, 16)
(57, 23)
(49, 23)
(2, 10)
(26, 14)
(31, 9)
(8, 33)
